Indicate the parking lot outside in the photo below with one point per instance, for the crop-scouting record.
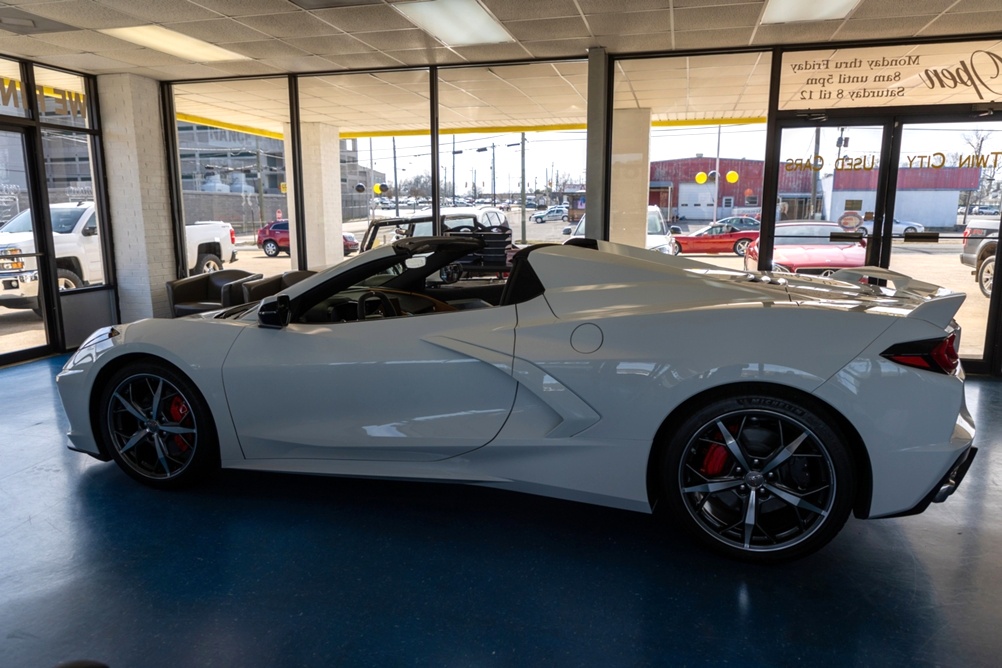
(937, 263)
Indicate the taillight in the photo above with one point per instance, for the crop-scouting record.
(939, 355)
(233, 236)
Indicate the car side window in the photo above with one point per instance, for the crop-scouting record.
(281, 226)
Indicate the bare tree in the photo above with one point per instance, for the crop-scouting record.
(976, 140)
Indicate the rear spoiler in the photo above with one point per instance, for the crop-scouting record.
(938, 306)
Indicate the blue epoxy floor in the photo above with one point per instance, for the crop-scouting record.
(274, 570)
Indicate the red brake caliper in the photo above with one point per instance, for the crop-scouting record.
(714, 459)
(178, 411)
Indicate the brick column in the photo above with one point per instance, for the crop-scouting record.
(136, 168)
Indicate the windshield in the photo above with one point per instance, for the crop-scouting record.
(655, 223)
(807, 235)
(63, 220)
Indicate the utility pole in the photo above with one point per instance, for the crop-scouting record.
(396, 189)
(494, 187)
(523, 189)
(814, 174)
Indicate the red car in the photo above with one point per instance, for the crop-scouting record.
(724, 236)
(806, 247)
(273, 239)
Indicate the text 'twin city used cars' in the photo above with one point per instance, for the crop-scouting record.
(598, 372)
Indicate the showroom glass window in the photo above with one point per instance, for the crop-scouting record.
(232, 139)
(12, 102)
(514, 131)
(688, 143)
(366, 142)
(69, 177)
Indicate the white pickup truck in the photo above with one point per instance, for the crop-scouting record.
(78, 251)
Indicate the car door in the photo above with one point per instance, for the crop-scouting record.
(408, 388)
(91, 245)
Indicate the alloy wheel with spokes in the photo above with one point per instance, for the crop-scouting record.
(760, 477)
(157, 426)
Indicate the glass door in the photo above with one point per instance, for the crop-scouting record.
(945, 222)
(22, 326)
(829, 195)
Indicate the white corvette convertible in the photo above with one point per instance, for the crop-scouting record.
(758, 410)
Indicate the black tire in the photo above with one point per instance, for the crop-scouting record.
(67, 280)
(207, 263)
(740, 246)
(910, 230)
(157, 426)
(564, 219)
(986, 276)
(270, 248)
(781, 465)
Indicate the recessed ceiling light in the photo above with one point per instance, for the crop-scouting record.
(174, 43)
(791, 11)
(455, 22)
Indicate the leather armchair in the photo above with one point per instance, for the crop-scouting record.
(255, 290)
(207, 292)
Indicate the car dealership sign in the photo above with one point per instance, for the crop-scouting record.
(959, 73)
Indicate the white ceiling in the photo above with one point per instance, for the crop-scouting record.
(279, 36)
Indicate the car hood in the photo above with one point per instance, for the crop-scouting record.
(847, 255)
(625, 280)
(16, 239)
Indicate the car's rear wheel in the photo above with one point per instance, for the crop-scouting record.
(157, 426)
(741, 246)
(986, 276)
(270, 247)
(759, 476)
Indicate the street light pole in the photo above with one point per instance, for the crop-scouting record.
(522, 240)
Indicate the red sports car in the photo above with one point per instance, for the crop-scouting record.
(806, 247)
(721, 237)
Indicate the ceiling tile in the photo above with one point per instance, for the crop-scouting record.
(632, 23)
(89, 62)
(488, 52)
(965, 6)
(902, 26)
(268, 48)
(547, 29)
(161, 11)
(84, 14)
(362, 61)
(299, 24)
(219, 31)
(616, 6)
(790, 33)
(400, 39)
(144, 57)
(370, 18)
(247, 7)
(892, 9)
(687, 4)
(300, 63)
(439, 56)
(562, 48)
(25, 46)
(952, 24)
(189, 71)
(635, 43)
(329, 45)
(86, 40)
(510, 10)
(717, 18)
(708, 39)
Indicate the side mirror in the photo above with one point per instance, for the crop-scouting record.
(567, 230)
(675, 229)
(89, 231)
(274, 312)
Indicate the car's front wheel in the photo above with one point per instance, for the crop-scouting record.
(157, 426)
(759, 476)
(986, 275)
